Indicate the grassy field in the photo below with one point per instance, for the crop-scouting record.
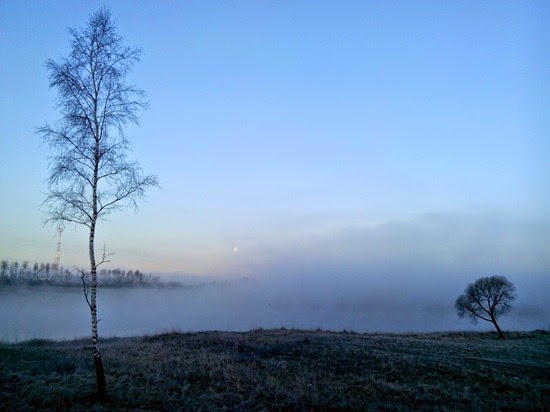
(280, 370)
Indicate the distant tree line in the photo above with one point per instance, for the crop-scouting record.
(16, 273)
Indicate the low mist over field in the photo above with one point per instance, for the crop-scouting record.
(396, 277)
(328, 302)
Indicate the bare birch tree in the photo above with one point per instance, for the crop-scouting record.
(90, 174)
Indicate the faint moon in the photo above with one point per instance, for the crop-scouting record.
(235, 249)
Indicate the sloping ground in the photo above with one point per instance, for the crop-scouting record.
(284, 370)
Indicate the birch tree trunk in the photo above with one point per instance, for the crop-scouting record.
(98, 362)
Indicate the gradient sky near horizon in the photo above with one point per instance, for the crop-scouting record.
(314, 136)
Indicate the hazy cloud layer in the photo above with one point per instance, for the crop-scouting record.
(431, 244)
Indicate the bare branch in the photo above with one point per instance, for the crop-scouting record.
(105, 256)
(85, 286)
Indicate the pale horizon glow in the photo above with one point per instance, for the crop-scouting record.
(352, 138)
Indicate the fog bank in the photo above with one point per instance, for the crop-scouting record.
(243, 304)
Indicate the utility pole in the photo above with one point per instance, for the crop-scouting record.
(57, 259)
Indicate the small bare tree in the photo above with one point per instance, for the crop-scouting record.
(486, 299)
(90, 174)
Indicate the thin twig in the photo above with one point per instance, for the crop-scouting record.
(105, 256)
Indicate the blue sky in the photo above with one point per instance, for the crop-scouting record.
(313, 135)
